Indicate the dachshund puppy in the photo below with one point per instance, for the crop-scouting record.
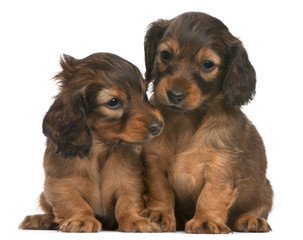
(95, 130)
(208, 167)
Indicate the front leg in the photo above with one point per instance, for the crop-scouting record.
(130, 203)
(128, 207)
(212, 207)
(72, 213)
(160, 198)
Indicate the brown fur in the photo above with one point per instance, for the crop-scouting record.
(95, 130)
(206, 173)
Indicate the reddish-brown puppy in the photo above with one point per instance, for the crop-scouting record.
(95, 130)
(208, 167)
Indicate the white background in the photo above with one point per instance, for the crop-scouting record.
(33, 34)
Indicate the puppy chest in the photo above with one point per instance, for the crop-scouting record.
(187, 174)
(121, 173)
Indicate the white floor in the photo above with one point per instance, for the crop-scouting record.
(51, 235)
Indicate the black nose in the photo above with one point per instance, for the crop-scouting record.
(175, 96)
(155, 127)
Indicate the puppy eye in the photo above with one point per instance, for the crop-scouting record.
(208, 65)
(114, 103)
(165, 56)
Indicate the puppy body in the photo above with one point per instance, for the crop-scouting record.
(95, 129)
(210, 161)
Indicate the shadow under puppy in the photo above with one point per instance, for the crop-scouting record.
(95, 130)
(208, 167)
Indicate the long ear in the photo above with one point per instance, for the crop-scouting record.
(152, 38)
(65, 125)
(240, 82)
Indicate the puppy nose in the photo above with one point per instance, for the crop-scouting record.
(155, 127)
(175, 96)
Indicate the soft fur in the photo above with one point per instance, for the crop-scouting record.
(95, 130)
(208, 168)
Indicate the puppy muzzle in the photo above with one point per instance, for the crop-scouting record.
(155, 127)
(176, 96)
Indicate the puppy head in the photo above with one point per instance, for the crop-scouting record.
(102, 98)
(193, 58)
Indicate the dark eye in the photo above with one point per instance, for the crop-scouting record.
(208, 65)
(114, 103)
(165, 56)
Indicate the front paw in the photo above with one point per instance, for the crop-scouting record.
(205, 225)
(85, 224)
(39, 222)
(139, 224)
(166, 220)
(249, 223)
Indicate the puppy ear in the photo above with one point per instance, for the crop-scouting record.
(240, 82)
(65, 125)
(152, 38)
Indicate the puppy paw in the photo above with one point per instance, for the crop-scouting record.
(248, 223)
(39, 222)
(205, 225)
(166, 220)
(85, 224)
(138, 225)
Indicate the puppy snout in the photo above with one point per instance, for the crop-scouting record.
(155, 127)
(176, 96)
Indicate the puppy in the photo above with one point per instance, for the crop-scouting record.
(95, 129)
(208, 167)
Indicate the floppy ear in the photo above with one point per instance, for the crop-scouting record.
(65, 125)
(152, 38)
(240, 82)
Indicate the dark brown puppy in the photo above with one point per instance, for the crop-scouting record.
(209, 163)
(95, 129)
